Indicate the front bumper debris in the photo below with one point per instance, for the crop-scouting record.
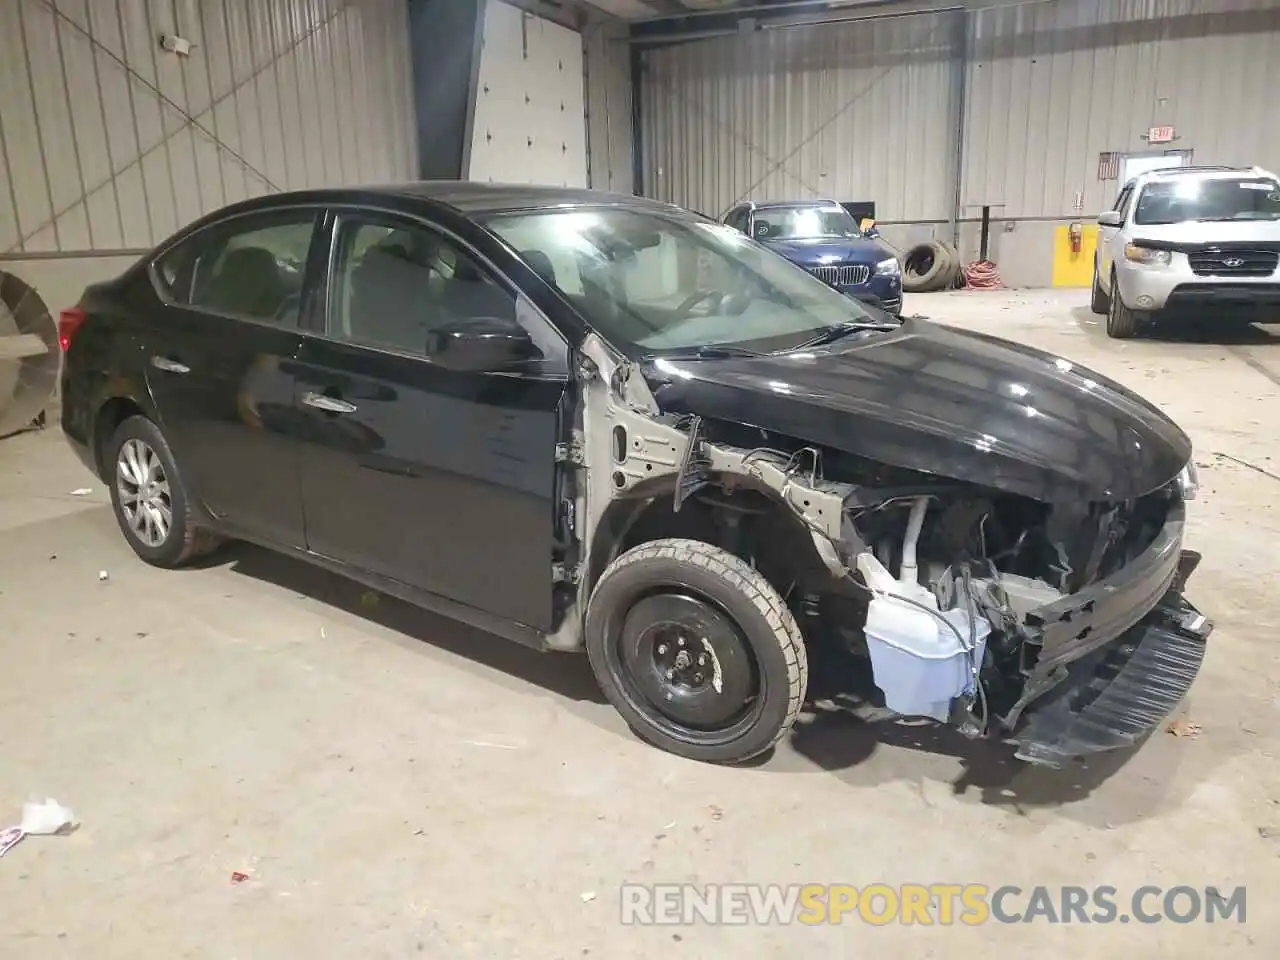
(1072, 628)
(1115, 699)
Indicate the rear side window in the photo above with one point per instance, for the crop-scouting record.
(250, 267)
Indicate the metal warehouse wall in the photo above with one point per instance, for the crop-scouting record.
(1052, 86)
(108, 143)
(860, 111)
(610, 157)
(848, 111)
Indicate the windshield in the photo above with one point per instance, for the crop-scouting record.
(804, 222)
(660, 284)
(1254, 198)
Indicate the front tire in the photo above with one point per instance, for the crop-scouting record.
(696, 650)
(1099, 302)
(1122, 323)
(149, 499)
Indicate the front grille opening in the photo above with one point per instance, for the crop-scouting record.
(842, 275)
(1242, 262)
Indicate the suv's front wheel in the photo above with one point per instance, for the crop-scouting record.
(696, 650)
(1122, 323)
(1099, 302)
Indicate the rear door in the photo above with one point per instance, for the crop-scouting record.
(219, 361)
(438, 478)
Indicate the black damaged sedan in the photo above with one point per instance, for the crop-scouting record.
(593, 422)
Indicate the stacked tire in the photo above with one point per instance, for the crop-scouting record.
(931, 266)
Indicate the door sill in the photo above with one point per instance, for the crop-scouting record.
(520, 633)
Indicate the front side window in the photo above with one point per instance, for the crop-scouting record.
(660, 283)
(250, 267)
(1210, 199)
(395, 282)
(1122, 202)
(805, 222)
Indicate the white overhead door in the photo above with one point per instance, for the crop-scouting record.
(530, 124)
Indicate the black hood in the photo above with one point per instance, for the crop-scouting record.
(961, 405)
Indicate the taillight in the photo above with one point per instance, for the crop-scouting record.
(68, 323)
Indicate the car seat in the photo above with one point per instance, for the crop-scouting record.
(469, 294)
(541, 264)
(389, 298)
(246, 283)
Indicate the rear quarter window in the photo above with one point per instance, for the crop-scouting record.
(252, 266)
(172, 274)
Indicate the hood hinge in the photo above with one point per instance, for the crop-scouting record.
(562, 574)
(572, 452)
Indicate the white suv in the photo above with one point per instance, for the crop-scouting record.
(1206, 237)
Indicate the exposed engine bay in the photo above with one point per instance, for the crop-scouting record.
(971, 604)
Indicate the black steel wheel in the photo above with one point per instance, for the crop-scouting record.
(696, 650)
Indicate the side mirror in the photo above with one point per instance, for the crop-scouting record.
(1110, 218)
(480, 345)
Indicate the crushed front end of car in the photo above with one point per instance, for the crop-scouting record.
(1017, 578)
(1077, 636)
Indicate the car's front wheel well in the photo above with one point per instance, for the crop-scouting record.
(758, 528)
(110, 415)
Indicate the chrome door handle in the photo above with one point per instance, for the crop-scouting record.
(169, 366)
(329, 404)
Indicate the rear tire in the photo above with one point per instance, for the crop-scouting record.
(149, 499)
(740, 670)
(1099, 302)
(1122, 323)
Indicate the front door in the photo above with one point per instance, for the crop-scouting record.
(438, 478)
(1108, 237)
(218, 366)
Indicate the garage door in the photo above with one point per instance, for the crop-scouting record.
(530, 113)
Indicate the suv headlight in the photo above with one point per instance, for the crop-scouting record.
(889, 268)
(1152, 258)
(1188, 481)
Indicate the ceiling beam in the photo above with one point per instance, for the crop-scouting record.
(706, 24)
(665, 8)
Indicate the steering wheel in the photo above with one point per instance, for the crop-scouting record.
(685, 310)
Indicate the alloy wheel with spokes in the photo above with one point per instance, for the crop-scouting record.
(145, 496)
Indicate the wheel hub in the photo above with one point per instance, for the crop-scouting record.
(689, 660)
(143, 489)
(674, 657)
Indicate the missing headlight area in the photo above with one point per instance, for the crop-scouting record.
(1057, 626)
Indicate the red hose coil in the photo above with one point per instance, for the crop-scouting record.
(982, 275)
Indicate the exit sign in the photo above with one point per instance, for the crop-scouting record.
(1160, 135)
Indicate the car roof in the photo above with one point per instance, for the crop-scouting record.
(1202, 173)
(772, 204)
(475, 199)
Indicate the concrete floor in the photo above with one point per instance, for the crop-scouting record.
(397, 786)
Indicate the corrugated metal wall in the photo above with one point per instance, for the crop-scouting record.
(110, 143)
(861, 111)
(1050, 86)
(610, 157)
(847, 111)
